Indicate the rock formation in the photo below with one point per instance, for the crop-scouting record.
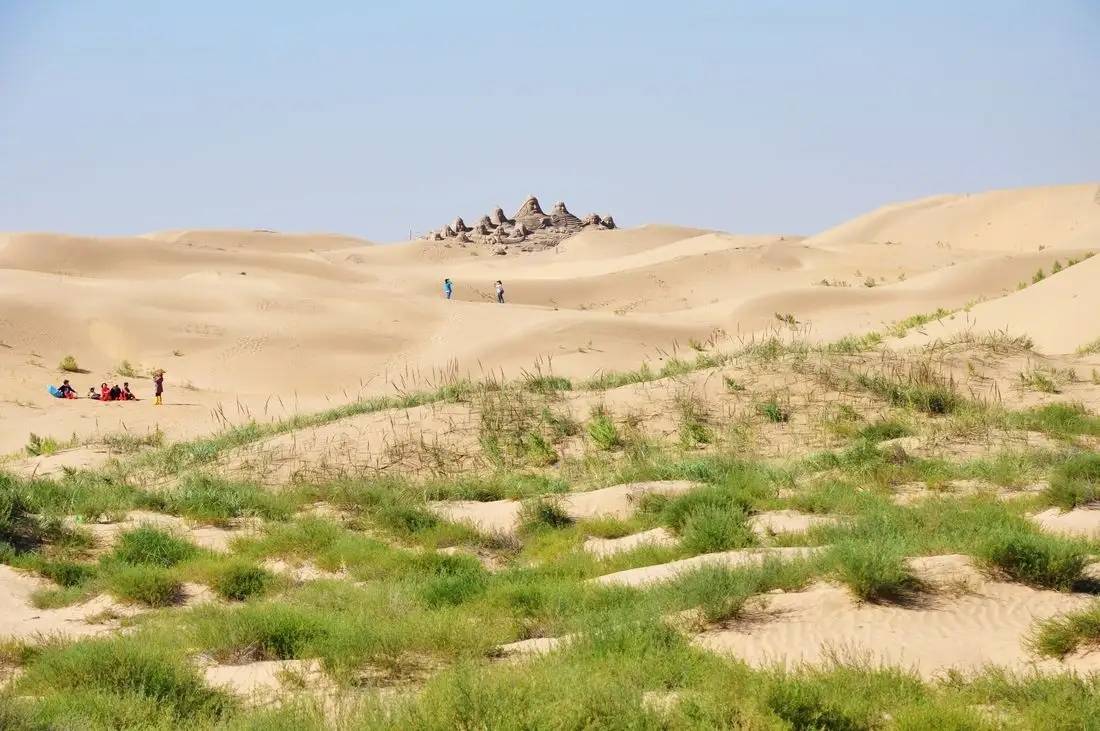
(531, 229)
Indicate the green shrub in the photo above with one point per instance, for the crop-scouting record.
(543, 513)
(711, 528)
(69, 364)
(883, 430)
(127, 370)
(123, 669)
(215, 500)
(150, 585)
(603, 432)
(1074, 482)
(1062, 420)
(540, 383)
(804, 704)
(261, 631)
(152, 546)
(875, 572)
(241, 581)
(773, 411)
(67, 573)
(1036, 559)
(1059, 636)
(453, 580)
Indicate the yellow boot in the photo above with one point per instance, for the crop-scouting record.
(157, 401)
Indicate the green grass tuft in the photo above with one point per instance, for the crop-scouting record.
(151, 546)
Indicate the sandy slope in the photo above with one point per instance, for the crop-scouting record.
(258, 325)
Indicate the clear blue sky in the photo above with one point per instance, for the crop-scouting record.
(378, 118)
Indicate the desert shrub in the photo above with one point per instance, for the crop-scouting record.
(127, 370)
(1059, 636)
(773, 411)
(1036, 559)
(147, 545)
(711, 528)
(240, 581)
(694, 421)
(544, 513)
(542, 383)
(117, 671)
(265, 630)
(732, 384)
(560, 424)
(69, 364)
(804, 704)
(67, 573)
(874, 572)
(451, 580)
(150, 585)
(1062, 420)
(603, 432)
(921, 388)
(217, 500)
(1074, 482)
(41, 446)
(883, 430)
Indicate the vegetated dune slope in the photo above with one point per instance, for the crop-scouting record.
(254, 324)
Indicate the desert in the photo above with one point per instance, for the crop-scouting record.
(849, 477)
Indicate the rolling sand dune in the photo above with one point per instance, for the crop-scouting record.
(259, 325)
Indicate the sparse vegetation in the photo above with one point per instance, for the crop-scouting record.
(774, 411)
(1060, 636)
(602, 430)
(69, 365)
(126, 369)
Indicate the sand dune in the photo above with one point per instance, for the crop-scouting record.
(260, 325)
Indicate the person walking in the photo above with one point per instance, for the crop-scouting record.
(158, 382)
(500, 292)
(448, 288)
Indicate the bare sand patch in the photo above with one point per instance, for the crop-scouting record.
(502, 516)
(1082, 522)
(647, 575)
(204, 536)
(19, 619)
(778, 522)
(265, 681)
(984, 623)
(604, 547)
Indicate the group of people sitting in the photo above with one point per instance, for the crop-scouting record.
(105, 392)
(114, 393)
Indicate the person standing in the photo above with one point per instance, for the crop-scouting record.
(158, 382)
(500, 292)
(448, 288)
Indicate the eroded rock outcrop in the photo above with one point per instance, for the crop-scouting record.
(530, 229)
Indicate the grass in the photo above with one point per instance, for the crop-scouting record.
(901, 328)
(151, 546)
(920, 387)
(774, 411)
(241, 581)
(711, 528)
(1074, 482)
(602, 430)
(120, 682)
(874, 572)
(694, 418)
(543, 513)
(152, 586)
(1060, 636)
(1061, 420)
(39, 446)
(411, 617)
(1036, 559)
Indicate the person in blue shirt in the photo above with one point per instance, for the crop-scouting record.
(448, 288)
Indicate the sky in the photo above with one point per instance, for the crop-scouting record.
(385, 118)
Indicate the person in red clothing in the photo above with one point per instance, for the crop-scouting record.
(65, 390)
(104, 392)
(127, 394)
